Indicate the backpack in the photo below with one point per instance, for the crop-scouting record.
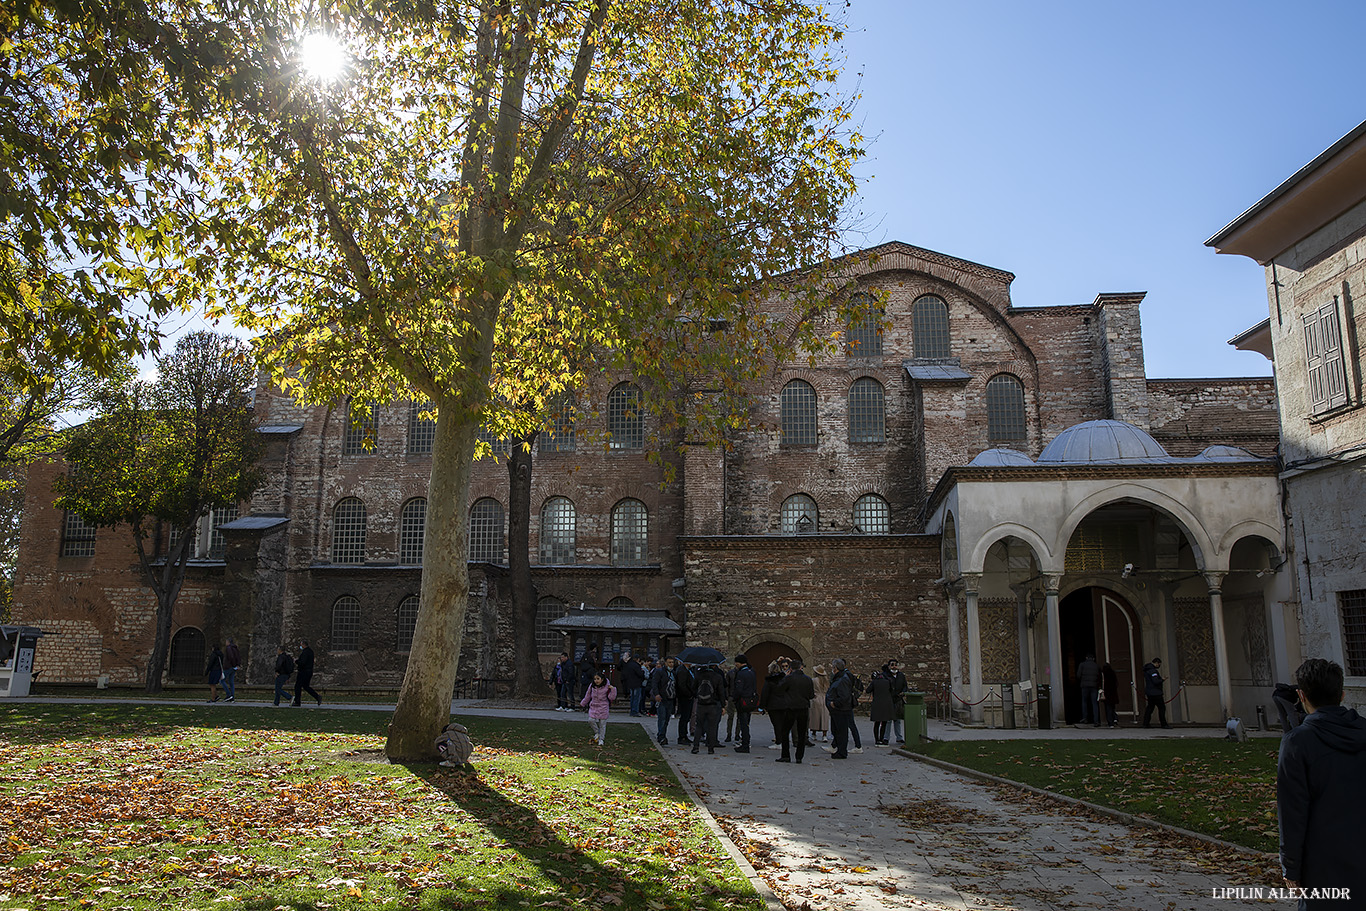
(706, 690)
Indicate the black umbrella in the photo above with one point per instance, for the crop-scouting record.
(700, 654)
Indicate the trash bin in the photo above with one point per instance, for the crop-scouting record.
(917, 730)
(1045, 706)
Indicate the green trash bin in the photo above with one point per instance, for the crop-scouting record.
(917, 730)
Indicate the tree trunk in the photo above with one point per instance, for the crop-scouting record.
(167, 591)
(526, 661)
(161, 644)
(424, 701)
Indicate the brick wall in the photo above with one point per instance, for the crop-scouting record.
(1187, 415)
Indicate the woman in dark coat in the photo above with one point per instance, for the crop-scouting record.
(774, 677)
(884, 707)
(214, 671)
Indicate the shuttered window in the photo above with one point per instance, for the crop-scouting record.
(1324, 359)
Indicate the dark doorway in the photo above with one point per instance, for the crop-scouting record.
(1097, 621)
(762, 653)
(1077, 622)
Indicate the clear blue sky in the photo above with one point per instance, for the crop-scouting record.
(1094, 146)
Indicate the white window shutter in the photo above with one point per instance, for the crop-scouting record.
(1313, 352)
(1334, 369)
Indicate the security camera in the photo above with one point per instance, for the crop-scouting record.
(1128, 571)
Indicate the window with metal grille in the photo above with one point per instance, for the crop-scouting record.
(549, 639)
(867, 412)
(798, 414)
(871, 515)
(625, 419)
(630, 532)
(348, 531)
(78, 537)
(1324, 359)
(345, 624)
(219, 516)
(1352, 604)
(405, 623)
(360, 431)
(1005, 409)
(421, 430)
(621, 602)
(864, 337)
(188, 654)
(930, 328)
(412, 529)
(799, 515)
(557, 531)
(486, 531)
(560, 436)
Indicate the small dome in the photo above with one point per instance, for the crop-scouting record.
(1227, 454)
(999, 457)
(1104, 442)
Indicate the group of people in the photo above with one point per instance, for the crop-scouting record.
(1100, 687)
(224, 663)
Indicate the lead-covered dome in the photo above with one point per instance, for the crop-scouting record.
(1000, 457)
(1104, 442)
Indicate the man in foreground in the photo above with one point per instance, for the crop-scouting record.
(1319, 794)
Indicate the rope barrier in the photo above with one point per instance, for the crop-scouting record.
(965, 702)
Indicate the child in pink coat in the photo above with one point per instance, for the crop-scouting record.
(598, 701)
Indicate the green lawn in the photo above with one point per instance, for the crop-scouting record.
(1217, 787)
(228, 807)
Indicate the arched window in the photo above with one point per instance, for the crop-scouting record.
(345, 624)
(360, 430)
(630, 533)
(798, 414)
(1005, 409)
(930, 328)
(187, 655)
(405, 623)
(412, 528)
(871, 516)
(799, 515)
(625, 419)
(549, 639)
(560, 436)
(486, 531)
(78, 537)
(348, 531)
(864, 338)
(421, 430)
(621, 602)
(867, 412)
(557, 531)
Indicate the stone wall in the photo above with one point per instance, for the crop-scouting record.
(1187, 415)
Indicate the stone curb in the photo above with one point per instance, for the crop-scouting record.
(1118, 815)
(760, 885)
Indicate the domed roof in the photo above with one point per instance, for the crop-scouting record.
(1103, 442)
(1227, 454)
(999, 457)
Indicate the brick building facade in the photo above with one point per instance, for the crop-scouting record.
(807, 534)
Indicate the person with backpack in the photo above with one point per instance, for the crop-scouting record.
(598, 702)
(745, 694)
(710, 695)
(284, 669)
(454, 747)
(664, 696)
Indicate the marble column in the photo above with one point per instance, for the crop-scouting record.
(955, 642)
(1215, 581)
(971, 582)
(1051, 585)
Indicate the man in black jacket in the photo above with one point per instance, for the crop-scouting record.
(839, 699)
(794, 696)
(1152, 692)
(664, 695)
(709, 689)
(746, 695)
(685, 694)
(633, 681)
(899, 687)
(304, 669)
(1319, 794)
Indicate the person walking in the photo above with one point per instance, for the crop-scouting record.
(598, 702)
(304, 674)
(1152, 691)
(214, 671)
(562, 678)
(633, 681)
(795, 693)
(1110, 687)
(820, 714)
(1088, 676)
(664, 695)
(232, 660)
(899, 688)
(1320, 802)
(710, 695)
(774, 677)
(839, 699)
(746, 697)
(883, 709)
(284, 669)
(685, 703)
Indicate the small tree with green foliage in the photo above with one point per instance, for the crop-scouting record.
(164, 454)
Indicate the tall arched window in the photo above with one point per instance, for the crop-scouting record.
(361, 428)
(78, 537)
(187, 654)
(864, 337)
(549, 639)
(560, 435)
(930, 328)
(345, 624)
(630, 533)
(421, 430)
(557, 531)
(871, 516)
(867, 412)
(797, 405)
(412, 528)
(405, 623)
(625, 418)
(799, 515)
(1005, 409)
(348, 531)
(486, 531)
